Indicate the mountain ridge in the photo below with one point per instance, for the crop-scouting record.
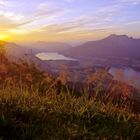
(113, 45)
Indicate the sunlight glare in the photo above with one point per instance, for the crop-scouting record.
(3, 37)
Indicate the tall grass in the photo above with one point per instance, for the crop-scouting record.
(36, 106)
(27, 115)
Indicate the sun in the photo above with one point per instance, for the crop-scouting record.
(3, 37)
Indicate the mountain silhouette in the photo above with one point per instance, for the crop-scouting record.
(113, 45)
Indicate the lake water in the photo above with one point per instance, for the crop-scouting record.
(53, 56)
(126, 75)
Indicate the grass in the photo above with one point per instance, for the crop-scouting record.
(25, 115)
(36, 106)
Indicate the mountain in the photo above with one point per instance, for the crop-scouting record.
(49, 46)
(113, 45)
(18, 51)
(14, 50)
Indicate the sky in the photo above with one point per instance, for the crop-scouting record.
(67, 20)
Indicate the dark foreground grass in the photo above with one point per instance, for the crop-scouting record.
(26, 115)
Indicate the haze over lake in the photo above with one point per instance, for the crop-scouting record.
(53, 56)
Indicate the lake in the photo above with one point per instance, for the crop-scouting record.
(53, 56)
(126, 75)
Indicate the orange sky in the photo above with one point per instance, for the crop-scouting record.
(67, 20)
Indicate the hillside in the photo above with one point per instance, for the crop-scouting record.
(14, 50)
(113, 45)
(18, 51)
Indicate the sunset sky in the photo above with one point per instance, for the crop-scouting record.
(67, 20)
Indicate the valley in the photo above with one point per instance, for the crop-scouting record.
(80, 60)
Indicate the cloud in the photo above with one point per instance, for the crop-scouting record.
(9, 20)
(79, 24)
(134, 2)
(70, 0)
(7, 3)
(45, 9)
(16, 22)
(11, 16)
(40, 19)
(133, 22)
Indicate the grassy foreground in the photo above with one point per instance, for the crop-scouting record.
(36, 106)
(26, 115)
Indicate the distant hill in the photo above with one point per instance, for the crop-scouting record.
(49, 46)
(18, 51)
(113, 45)
(14, 50)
